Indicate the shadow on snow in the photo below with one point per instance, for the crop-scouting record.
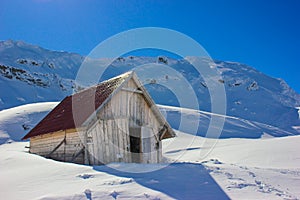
(177, 180)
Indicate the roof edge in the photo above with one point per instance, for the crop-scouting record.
(155, 108)
(92, 116)
(27, 136)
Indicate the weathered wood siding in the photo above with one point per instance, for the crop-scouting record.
(44, 144)
(107, 141)
(151, 146)
(108, 138)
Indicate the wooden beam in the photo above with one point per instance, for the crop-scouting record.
(63, 141)
(132, 90)
(86, 153)
(77, 154)
(162, 131)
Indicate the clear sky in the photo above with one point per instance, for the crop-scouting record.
(264, 34)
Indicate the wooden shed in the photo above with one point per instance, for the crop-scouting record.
(114, 121)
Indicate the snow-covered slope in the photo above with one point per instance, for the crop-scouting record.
(16, 122)
(234, 127)
(245, 168)
(41, 178)
(31, 74)
(236, 169)
(263, 153)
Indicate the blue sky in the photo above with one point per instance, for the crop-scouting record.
(263, 34)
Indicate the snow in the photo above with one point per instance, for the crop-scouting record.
(234, 168)
(226, 172)
(41, 178)
(16, 122)
(233, 127)
(248, 152)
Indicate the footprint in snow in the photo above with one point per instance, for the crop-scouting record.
(88, 194)
(119, 181)
(252, 174)
(85, 176)
(114, 194)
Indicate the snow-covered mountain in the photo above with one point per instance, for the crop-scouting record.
(30, 74)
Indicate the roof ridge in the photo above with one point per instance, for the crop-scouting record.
(102, 82)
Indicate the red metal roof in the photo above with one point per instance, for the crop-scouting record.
(62, 118)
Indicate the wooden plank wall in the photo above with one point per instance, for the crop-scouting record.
(44, 144)
(126, 109)
(108, 141)
(151, 146)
